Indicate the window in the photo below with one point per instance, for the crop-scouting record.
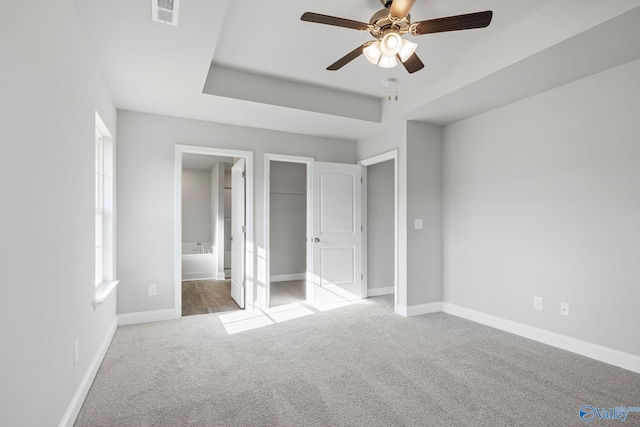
(104, 278)
(99, 207)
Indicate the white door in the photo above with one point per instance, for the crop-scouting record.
(237, 232)
(336, 274)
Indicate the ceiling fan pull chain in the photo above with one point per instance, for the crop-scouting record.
(388, 83)
(395, 82)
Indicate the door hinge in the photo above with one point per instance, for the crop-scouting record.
(244, 228)
(361, 180)
(244, 174)
(362, 277)
(244, 283)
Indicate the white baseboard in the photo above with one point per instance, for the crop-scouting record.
(220, 276)
(594, 351)
(83, 389)
(378, 292)
(287, 277)
(418, 310)
(147, 317)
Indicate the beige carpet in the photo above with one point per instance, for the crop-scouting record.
(359, 365)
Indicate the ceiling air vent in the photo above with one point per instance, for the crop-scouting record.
(165, 11)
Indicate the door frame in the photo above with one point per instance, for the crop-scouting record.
(390, 155)
(268, 158)
(181, 149)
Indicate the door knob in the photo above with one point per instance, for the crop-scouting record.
(317, 240)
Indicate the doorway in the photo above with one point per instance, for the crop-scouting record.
(287, 203)
(380, 219)
(333, 229)
(206, 224)
(214, 228)
(288, 231)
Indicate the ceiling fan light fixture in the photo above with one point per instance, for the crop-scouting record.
(391, 44)
(373, 52)
(408, 48)
(387, 61)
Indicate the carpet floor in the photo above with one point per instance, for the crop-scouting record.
(356, 365)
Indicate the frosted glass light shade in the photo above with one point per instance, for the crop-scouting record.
(407, 49)
(391, 44)
(373, 53)
(387, 61)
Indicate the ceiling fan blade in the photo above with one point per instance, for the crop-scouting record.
(452, 23)
(412, 64)
(332, 20)
(348, 57)
(401, 8)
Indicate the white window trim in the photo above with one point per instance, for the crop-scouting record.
(104, 140)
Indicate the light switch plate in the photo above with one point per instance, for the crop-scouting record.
(538, 303)
(418, 224)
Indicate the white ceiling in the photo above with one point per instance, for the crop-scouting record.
(297, 50)
(260, 66)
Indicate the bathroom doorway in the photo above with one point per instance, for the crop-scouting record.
(206, 228)
(209, 266)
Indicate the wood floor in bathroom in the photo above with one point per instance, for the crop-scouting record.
(214, 296)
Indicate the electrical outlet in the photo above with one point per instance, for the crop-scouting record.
(564, 309)
(418, 224)
(76, 352)
(153, 290)
(538, 303)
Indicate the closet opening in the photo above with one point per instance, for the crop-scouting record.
(287, 213)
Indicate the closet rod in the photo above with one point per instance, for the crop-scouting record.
(288, 194)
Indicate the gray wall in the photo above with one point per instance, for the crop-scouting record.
(419, 148)
(542, 198)
(288, 216)
(380, 225)
(146, 200)
(424, 201)
(51, 87)
(196, 206)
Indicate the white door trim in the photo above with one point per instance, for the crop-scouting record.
(250, 274)
(268, 158)
(390, 155)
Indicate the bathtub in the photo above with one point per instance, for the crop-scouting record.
(198, 261)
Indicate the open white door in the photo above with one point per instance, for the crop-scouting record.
(237, 231)
(337, 234)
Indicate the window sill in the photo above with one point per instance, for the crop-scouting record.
(103, 291)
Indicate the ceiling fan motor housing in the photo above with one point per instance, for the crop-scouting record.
(382, 23)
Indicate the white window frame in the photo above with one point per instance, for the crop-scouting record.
(99, 209)
(104, 158)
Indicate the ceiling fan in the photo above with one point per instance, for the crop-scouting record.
(388, 26)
